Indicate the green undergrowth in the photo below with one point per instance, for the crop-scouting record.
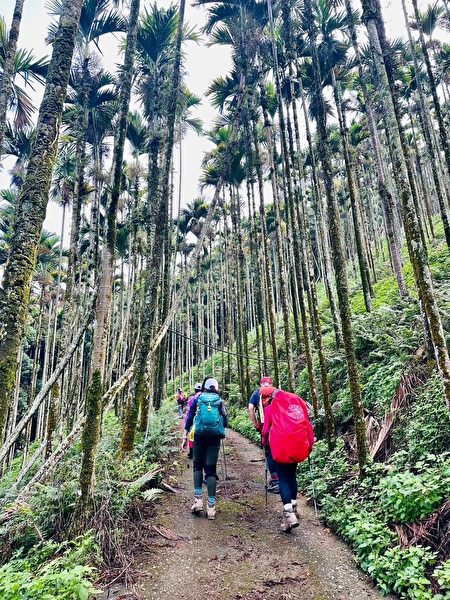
(369, 513)
(239, 421)
(37, 557)
(409, 484)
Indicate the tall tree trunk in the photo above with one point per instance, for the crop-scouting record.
(136, 398)
(383, 189)
(426, 126)
(339, 261)
(322, 219)
(8, 67)
(354, 197)
(434, 94)
(265, 252)
(32, 205)
(92, 427)
(417, 251)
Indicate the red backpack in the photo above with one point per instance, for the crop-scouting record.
(288, 437)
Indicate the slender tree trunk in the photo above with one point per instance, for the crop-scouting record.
(32, 205)
(354, 198)
(383, 189)
(136, 398)
(338, 250)
(426, 126)
(265, 253)
(322, 219)
(417, 251)
(92, 427)
(434, 94)
(8, 67)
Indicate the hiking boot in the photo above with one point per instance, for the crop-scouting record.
(289, 521)
(273, 487)
(197, 507)
(211, 512)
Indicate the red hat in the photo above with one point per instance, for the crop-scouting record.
(267, 391)
(266, 381)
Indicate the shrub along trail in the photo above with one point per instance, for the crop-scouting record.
(241, 555)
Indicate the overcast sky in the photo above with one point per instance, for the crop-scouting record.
(203, 65)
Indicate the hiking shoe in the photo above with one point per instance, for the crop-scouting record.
(211, 512)
(273, 487)
(289, 521)
(197, 507)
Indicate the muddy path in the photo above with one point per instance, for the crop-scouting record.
(241, 555)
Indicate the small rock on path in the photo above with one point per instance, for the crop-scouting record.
(241, 555)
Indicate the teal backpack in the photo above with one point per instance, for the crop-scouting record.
(209, 420)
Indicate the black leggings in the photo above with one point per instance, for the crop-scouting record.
(206, 454)
(287, 475)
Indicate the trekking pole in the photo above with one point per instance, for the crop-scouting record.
(224, 469)
(224, 459)
(311, 473)
(267, 494)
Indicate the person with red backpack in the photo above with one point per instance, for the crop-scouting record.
(290, 435)
(256, 410)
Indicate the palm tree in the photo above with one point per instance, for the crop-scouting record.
(94, 394)
(374, 23)
(430, 21)
(32, 204)
(159, 63)
(18, 143)
(8, 65)
(96, 21)
(15, 63)
(336, 241)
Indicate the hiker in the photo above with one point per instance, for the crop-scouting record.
(289, 433)
(181, 399)
(256, 413)
(208, 415)
(191, 400)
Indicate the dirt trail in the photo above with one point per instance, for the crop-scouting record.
(241, 555)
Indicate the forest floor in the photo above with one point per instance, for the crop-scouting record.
(241, 555)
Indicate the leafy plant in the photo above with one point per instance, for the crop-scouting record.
(406, 497)
(426, 426)
(51, 571)
(442, 575)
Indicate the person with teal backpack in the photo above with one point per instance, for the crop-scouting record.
(209, 417)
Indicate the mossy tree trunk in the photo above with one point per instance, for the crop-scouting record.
(92, 427)
(32, 206)
(322, 219)
(354, 196)
(137, 397)
(339, 261)
(434, 94)
(417, 250)
(424, 117)
(8, 67)
(386, 198)
(267, 279)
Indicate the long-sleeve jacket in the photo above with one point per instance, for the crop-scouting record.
(268, 423)
(193, 410)
(191, 401)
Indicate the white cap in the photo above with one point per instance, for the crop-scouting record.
(211, 383)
